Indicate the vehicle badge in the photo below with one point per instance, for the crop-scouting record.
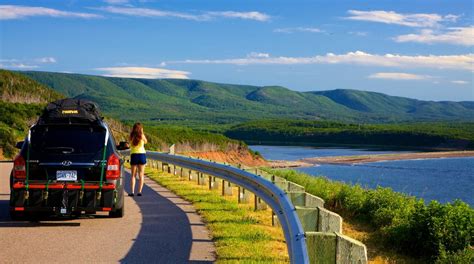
(66, 163)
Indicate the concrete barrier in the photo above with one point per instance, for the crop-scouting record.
(281, 183)
(329, 221)
(297, 198)
(349, 250)
(293, 187)
(319, 219)
(313, 201)
(321, 247)
(308, 218)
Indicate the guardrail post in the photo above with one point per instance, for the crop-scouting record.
(181, 172)
(259, 204)
(226, 188)
(201, 179)
(174, 169)
(275, 221)
(244, 195)
(190, 175)
(213, 183)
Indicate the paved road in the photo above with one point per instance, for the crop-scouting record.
(158, 227)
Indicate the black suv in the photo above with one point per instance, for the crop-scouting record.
(68, 164)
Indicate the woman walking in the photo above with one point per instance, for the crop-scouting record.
(137, 157)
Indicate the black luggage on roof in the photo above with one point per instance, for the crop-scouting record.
(70, 111)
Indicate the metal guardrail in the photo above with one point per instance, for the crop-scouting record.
(275, 197)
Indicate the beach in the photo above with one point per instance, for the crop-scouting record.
(306, 162)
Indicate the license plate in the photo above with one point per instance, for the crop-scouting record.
(66, 175)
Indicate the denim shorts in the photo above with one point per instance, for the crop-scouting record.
(138, 159)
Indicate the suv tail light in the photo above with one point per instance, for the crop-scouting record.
(19, 167)
(113, 168)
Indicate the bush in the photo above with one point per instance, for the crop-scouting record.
(462, 256)
(386, 207)
(439, 228)
(7, 141)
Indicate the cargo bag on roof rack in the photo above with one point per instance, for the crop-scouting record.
(70, 111)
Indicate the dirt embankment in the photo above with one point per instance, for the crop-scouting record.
(233, 157)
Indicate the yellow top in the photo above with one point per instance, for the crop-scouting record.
(138, 149)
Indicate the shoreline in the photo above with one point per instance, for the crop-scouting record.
(349, 160)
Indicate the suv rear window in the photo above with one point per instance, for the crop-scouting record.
(67, 139)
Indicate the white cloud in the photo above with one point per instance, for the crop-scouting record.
(253, 15)
(460, 82)
(25, 63)
(46, 60)
(116, 2)
(15, 65)
(148, 12)
(398, 76)
(456, 35)
(143, 72)
(8, 12)
(359, 33)
(258, 55)
(456, 62)
(298, 29)
(410, 20)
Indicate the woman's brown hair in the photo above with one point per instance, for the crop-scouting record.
(137, 134)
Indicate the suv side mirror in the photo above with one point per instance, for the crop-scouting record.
(19, 144)
(123, 145)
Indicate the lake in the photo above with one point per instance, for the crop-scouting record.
(443, 179)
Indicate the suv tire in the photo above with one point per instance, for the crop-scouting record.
(117, 213)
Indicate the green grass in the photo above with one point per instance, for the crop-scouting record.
(240, 234)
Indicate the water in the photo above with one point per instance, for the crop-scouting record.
(444, 179)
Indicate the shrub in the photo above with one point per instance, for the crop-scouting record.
(461, 256)
(439, 228)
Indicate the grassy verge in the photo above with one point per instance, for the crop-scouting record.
(240, 234)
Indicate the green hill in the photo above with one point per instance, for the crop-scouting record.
(194, 102)
(23, 99)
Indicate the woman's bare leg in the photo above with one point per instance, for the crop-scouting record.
(141, 173)
(134, 172)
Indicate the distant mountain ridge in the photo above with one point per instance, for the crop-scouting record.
(200, 101)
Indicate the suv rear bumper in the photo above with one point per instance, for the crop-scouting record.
(65, 197)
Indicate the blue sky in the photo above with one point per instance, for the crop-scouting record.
(418, 49)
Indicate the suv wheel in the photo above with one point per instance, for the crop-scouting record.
(118, 213)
